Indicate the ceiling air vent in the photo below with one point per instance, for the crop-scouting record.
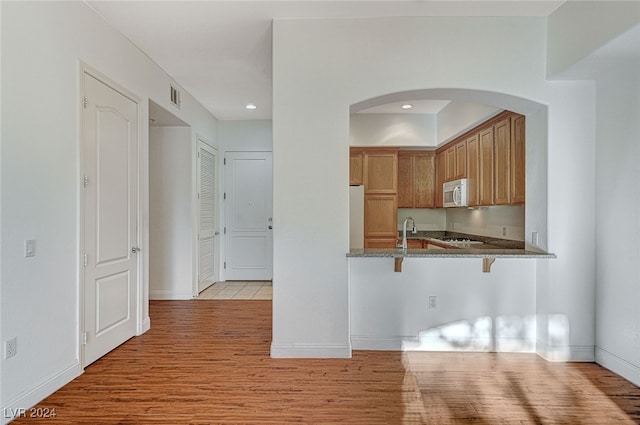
(174, 96)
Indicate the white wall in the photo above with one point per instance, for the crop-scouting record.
(617, 205)
(42, 44)
(583, 45)
(502, 58)
(577, 28)
(618, 225)
(409, 130)
(250, 135)
(170, 217)
(457, 117)
(474, 311)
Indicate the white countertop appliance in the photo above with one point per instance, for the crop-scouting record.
(454, 193)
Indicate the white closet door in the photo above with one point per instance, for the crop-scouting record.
(207, 240)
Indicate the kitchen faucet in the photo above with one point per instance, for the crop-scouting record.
(404, 230)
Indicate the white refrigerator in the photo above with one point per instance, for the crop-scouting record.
(356, 217)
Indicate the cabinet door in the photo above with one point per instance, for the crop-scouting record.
(441, 172)
(414, 244)
(461, 160)
(380, 216)
(485, 189)
(381, 172)
(473, 169)
(452, 162)
(406, 180)
(424, 181)
(355, 168)
(502, 159)
(380, 243)
(518, 170)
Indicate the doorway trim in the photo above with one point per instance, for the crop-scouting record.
(143, 322)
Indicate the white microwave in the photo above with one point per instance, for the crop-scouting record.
(454, 193)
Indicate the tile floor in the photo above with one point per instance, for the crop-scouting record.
(238, 290)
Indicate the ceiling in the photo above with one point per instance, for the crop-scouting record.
(220, 51)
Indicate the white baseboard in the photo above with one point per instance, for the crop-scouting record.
(170, 295)
(566, 353)
(19, 405)
(411, 343)
(317, 351)
(618, 365)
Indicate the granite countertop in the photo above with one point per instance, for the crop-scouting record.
(490, 248)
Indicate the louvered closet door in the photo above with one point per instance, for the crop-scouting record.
(207, 233)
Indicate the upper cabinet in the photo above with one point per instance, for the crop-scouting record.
(456, 161)
(502, 162)
(381, 171)
(441, 176)
(518, 160)
(473, 170)
(485, 161)
(492, 157)
(356, 167)
(416, 179)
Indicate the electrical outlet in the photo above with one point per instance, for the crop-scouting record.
(10, 347)
(504, 231)
(433, 302)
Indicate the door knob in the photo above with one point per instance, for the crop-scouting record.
(135, 249)
(270, 227)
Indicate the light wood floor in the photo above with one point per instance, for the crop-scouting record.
(207, 362)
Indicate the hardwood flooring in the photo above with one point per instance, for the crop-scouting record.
(207, 362)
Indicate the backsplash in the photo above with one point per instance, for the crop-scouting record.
(504, 222)
(426, 219)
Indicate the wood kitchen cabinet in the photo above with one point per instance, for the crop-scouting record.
(491, 156)
(450, 168)
(485, 161)
(456, 162)
(380, 179)
(380, 217)
(518, 161)
(461, 160)
(381, 171)
(502, 162)
(416, 179)
(406, 180)
(380, 243)
(356, 167)
(473, 170)
(441, 176)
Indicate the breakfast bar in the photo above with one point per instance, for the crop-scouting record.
(445, 299)
(442, 244)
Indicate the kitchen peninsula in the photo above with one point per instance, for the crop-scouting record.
(466, 279)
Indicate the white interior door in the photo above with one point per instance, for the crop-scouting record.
(110, 126)
(207, 234)
(248, 211)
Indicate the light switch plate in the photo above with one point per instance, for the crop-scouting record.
(30, 248)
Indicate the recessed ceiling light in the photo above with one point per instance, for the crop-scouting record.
(251, 106)
(407, 106)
